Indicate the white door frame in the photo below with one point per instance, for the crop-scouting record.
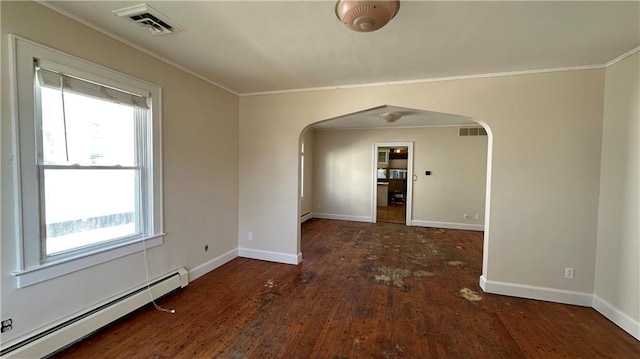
(410, 179)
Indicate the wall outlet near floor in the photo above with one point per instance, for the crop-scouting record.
(477, 216)
(250, 236)
(568, 273)
(465, 216)
(7, 325)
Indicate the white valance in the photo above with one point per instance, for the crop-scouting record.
(56, 80)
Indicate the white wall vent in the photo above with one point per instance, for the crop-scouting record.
(149, 18)
(472, 131)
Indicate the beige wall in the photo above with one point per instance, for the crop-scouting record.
(344, 170)
(200, 141)
(544, 167)
(223, 179)
(617, 280)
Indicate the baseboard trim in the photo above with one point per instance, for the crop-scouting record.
(342, 217)
(620, 319)
(212, 264)
(538, 293)
(270, 256)
(448, 225)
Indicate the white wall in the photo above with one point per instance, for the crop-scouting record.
(617, 279)
(343, 172)
(545, 166)
(200, 140)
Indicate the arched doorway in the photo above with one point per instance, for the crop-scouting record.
(339, 147)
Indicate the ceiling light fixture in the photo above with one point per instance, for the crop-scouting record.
(390, 116)
(366, 15)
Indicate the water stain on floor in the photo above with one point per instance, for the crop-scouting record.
(422, 274)
(269, 297)
(469, 295)
(392, 276)
(390, 351)
(457, 264)
(304, 278)
(364, 311)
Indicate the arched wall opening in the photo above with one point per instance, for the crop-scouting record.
(352, 123)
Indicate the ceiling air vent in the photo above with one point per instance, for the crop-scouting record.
(149, 18)
(472, 131)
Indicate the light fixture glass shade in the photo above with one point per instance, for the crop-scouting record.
(390, 116)
(366, 15)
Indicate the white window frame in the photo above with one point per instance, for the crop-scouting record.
(31, 268)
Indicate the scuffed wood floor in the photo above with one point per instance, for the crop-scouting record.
(363, 291)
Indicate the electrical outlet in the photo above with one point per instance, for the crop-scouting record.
(7, 325)
(206, 247)
(568, 273)
(465, 216)
(477, 216)
(250, 236)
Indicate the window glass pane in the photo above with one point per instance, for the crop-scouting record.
(85, 207)
(98, 132)
(302, 170)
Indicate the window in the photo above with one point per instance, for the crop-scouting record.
(302, 170)
(88, 162)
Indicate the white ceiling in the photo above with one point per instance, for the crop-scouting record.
(252, 47)
(262, 46)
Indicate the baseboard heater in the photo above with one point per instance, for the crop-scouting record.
(305, 217)
(72, 330)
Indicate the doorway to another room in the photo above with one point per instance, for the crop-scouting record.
(393, 182)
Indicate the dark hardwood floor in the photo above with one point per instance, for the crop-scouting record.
(363, 291)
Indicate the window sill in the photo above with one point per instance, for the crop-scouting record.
(49, 271)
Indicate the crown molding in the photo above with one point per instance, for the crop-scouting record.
(428, 80)
(622, 57)
(131, 44)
